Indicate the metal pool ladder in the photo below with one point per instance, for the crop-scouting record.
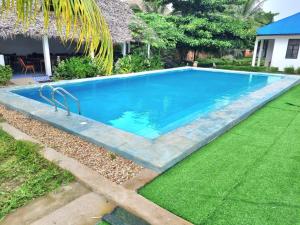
(63, 93)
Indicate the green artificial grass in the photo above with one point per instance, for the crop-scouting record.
(103, 223)
(250, 175)
(25, 174)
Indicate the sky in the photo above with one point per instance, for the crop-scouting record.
(284, 7)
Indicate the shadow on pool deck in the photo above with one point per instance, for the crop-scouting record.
(249, 175)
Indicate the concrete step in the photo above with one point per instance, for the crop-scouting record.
(85, 210)
(45, 205)
(121, 217)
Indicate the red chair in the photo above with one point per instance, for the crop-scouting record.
(26, 67)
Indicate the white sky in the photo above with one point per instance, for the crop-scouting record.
(284, 7)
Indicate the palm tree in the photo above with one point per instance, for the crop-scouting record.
(76, 19)
(251, 10)
(252, 7)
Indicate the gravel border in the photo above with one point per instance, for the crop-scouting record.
(107, 164)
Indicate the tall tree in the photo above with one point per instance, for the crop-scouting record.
(252, 7)
(210, 25)
(151, 6)
(196, 7)
(251, 10)
(74, 18)
(158, 30)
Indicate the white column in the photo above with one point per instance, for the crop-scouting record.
(260, 52)
(129, 47)
(255, 52)
(124, 51)
(2, 62)
(148, 50)
(92, 54)
(47, 58)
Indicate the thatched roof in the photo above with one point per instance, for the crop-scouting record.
(118, 16)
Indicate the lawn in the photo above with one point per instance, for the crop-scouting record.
(103, 223)
(250, 175)
(24, 174)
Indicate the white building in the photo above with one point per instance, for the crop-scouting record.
(278, 44)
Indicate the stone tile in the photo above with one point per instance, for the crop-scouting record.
(144, 177)
(85, 210)
(41, 207)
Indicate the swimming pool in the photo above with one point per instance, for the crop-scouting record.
(152, 105)
(154, 118)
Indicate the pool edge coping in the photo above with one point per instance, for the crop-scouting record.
(165, 151)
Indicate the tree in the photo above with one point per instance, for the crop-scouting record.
(157, 30)
(196, 7)
(219, 24)
(215, 26)
(151, 6)
(69, 15)
(252, 7)
(215, 32)
(252, 10)
(263, 18)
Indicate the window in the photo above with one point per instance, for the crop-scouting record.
(293, 49)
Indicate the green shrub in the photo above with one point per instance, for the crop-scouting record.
(76, 68)
(244, 68)
(289, 70)
(298, 70)
(209, 62)
(156, 63)
(273, 69)
(242, 62)
(5, 74)
(138, 62)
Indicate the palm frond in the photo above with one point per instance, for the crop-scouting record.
(257, 7)
(251, 6)
(75, 19)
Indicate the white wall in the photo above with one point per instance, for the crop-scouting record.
(279, 53)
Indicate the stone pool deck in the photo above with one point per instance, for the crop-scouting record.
(161, 153)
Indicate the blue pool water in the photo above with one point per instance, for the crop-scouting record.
(153, 104)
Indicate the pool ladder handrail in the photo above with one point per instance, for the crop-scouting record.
(45, 97)
(63, 93)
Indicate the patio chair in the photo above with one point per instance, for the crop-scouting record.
(26, 67)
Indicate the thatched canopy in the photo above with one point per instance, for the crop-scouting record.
(118, 16)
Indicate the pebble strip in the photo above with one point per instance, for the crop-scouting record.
(107, 164)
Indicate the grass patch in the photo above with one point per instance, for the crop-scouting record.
(25, 174)
(249, 175)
